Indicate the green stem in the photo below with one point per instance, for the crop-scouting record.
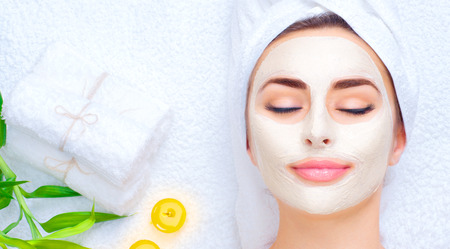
(9, 174)
(14, 224)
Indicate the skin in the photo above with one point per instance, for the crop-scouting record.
(354, 227)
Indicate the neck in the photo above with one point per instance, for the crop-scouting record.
(354, 228)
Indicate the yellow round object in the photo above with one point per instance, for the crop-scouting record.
(144, 244)
(168, 215)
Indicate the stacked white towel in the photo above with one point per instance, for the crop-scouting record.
(87, 128)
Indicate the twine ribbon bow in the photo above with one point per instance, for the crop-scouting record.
(83, 118)
(55, 164)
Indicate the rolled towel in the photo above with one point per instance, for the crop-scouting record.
(94, 128)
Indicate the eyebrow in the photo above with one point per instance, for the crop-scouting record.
(294, 83)
(347, 83)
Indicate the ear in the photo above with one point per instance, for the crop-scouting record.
(399, 145)
(249, 152)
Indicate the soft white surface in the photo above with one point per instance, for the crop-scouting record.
(410, 37)
(61, 116)
(176, 51)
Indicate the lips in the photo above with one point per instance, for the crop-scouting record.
(320, 170)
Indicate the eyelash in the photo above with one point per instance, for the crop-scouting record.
(359, 111)
(282, 110)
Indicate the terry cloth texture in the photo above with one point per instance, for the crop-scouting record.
(97, 132)
(174, 51)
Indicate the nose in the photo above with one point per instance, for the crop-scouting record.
(317, 142)
(319, 131)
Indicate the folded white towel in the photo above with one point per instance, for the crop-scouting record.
(80, 177)
(105, 129)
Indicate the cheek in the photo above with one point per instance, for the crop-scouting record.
(369, 142)
(272, 143)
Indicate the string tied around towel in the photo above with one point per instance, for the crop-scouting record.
(85, 119)
(69, 164)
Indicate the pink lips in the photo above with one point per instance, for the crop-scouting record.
(320, 170)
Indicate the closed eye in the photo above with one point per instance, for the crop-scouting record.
(282, 110)
(358, 111)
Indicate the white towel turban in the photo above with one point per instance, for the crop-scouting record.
(256, 23)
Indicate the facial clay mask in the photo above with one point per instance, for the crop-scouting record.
(317, 143)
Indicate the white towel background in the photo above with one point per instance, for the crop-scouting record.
(176, 51)
(179, 51)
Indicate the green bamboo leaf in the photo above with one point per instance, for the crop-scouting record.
(4, 202)
(5, 196)
(15, 242)
(70, 231)
(14, 224)
(35, 234)
(71, 219)
(6, 193)
(11, 183)
(2, 133)
(50, 191)
(54, 244)
(7, 172)
(2, 125)
(3, 246)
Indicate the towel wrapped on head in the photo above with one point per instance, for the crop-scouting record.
(256, 24)
(87, 128)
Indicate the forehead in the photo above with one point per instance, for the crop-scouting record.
(332, 32)
(313, 58)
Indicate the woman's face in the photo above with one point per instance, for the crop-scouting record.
(321, 120)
